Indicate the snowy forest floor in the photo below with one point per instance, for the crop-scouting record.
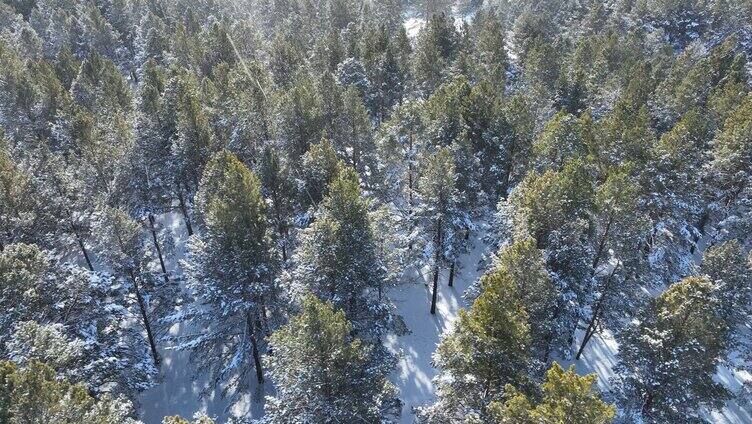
(177, 393)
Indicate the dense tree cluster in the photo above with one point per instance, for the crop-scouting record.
(261, 173)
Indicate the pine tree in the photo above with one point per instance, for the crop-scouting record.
(547, 201)
(34, 394)
(487, 348)
(198, 419)
(320, 167)
(277, 186)
(523, 263)
(143, 184)
(491, 57)
(618, 229)
(337, 259)
(668, 357)
(17, 203)
(567, 399)
(353, 137)
(323, 374)
(85, 309)
(731, 272)
(731, 170)
(439, 216)
(435, 52)
(727, 267)
(298, 117)
(123, 249)
(517, 147)
(192, 142)
(230, 270)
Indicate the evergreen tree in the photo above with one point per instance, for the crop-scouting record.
(491, 57)
(434, 53)
(86, 310)
(34, 395)
(192, 142)
(487, 348)
(230, 270)
(524, 265)
(338, 261)
(298, 118)
(320, 167)
(567, 399)
(124, 251)
(442, 222)
(323, 374)
(731, 170)
(198, 419)
(618, 229)
(668, 357)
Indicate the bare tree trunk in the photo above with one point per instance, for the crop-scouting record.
(648, 404)
(184, 211)
(435, 288)
(596, 314)
(254, 348)
(436, 266)
(156, 246)
(507, 172)
(145, 318)
(602, 244)
(83, 248)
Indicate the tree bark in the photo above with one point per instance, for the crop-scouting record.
(435, 288)
(436, 266)
(648, 404)
(596, 314)
(254, 348)
(83, 248)
(602, 243)
(156, 246)
(145, 318)
(184, 211)
(507, 172)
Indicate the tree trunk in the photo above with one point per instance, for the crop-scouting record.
(596, 313)
(435, 288)
(159, 249)
(451, 274)
(436, 266)
(254, 348)
(145, 318)
(283, 234)
(602, 243)
(184, 211)
(648, 404)
(410, 190)
(83, 248)
(507, 172)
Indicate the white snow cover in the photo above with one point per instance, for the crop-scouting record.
(177, 393)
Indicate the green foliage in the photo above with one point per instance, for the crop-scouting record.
(322, 374)
(523, 263)
(545, 202)
(337, 259)
(34, 395)
(488, 348)
(198, 419)
(567, 399)
(668, 357)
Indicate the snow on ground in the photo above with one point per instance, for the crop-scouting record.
(414, 372)
(414, 25)
(177, 393)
